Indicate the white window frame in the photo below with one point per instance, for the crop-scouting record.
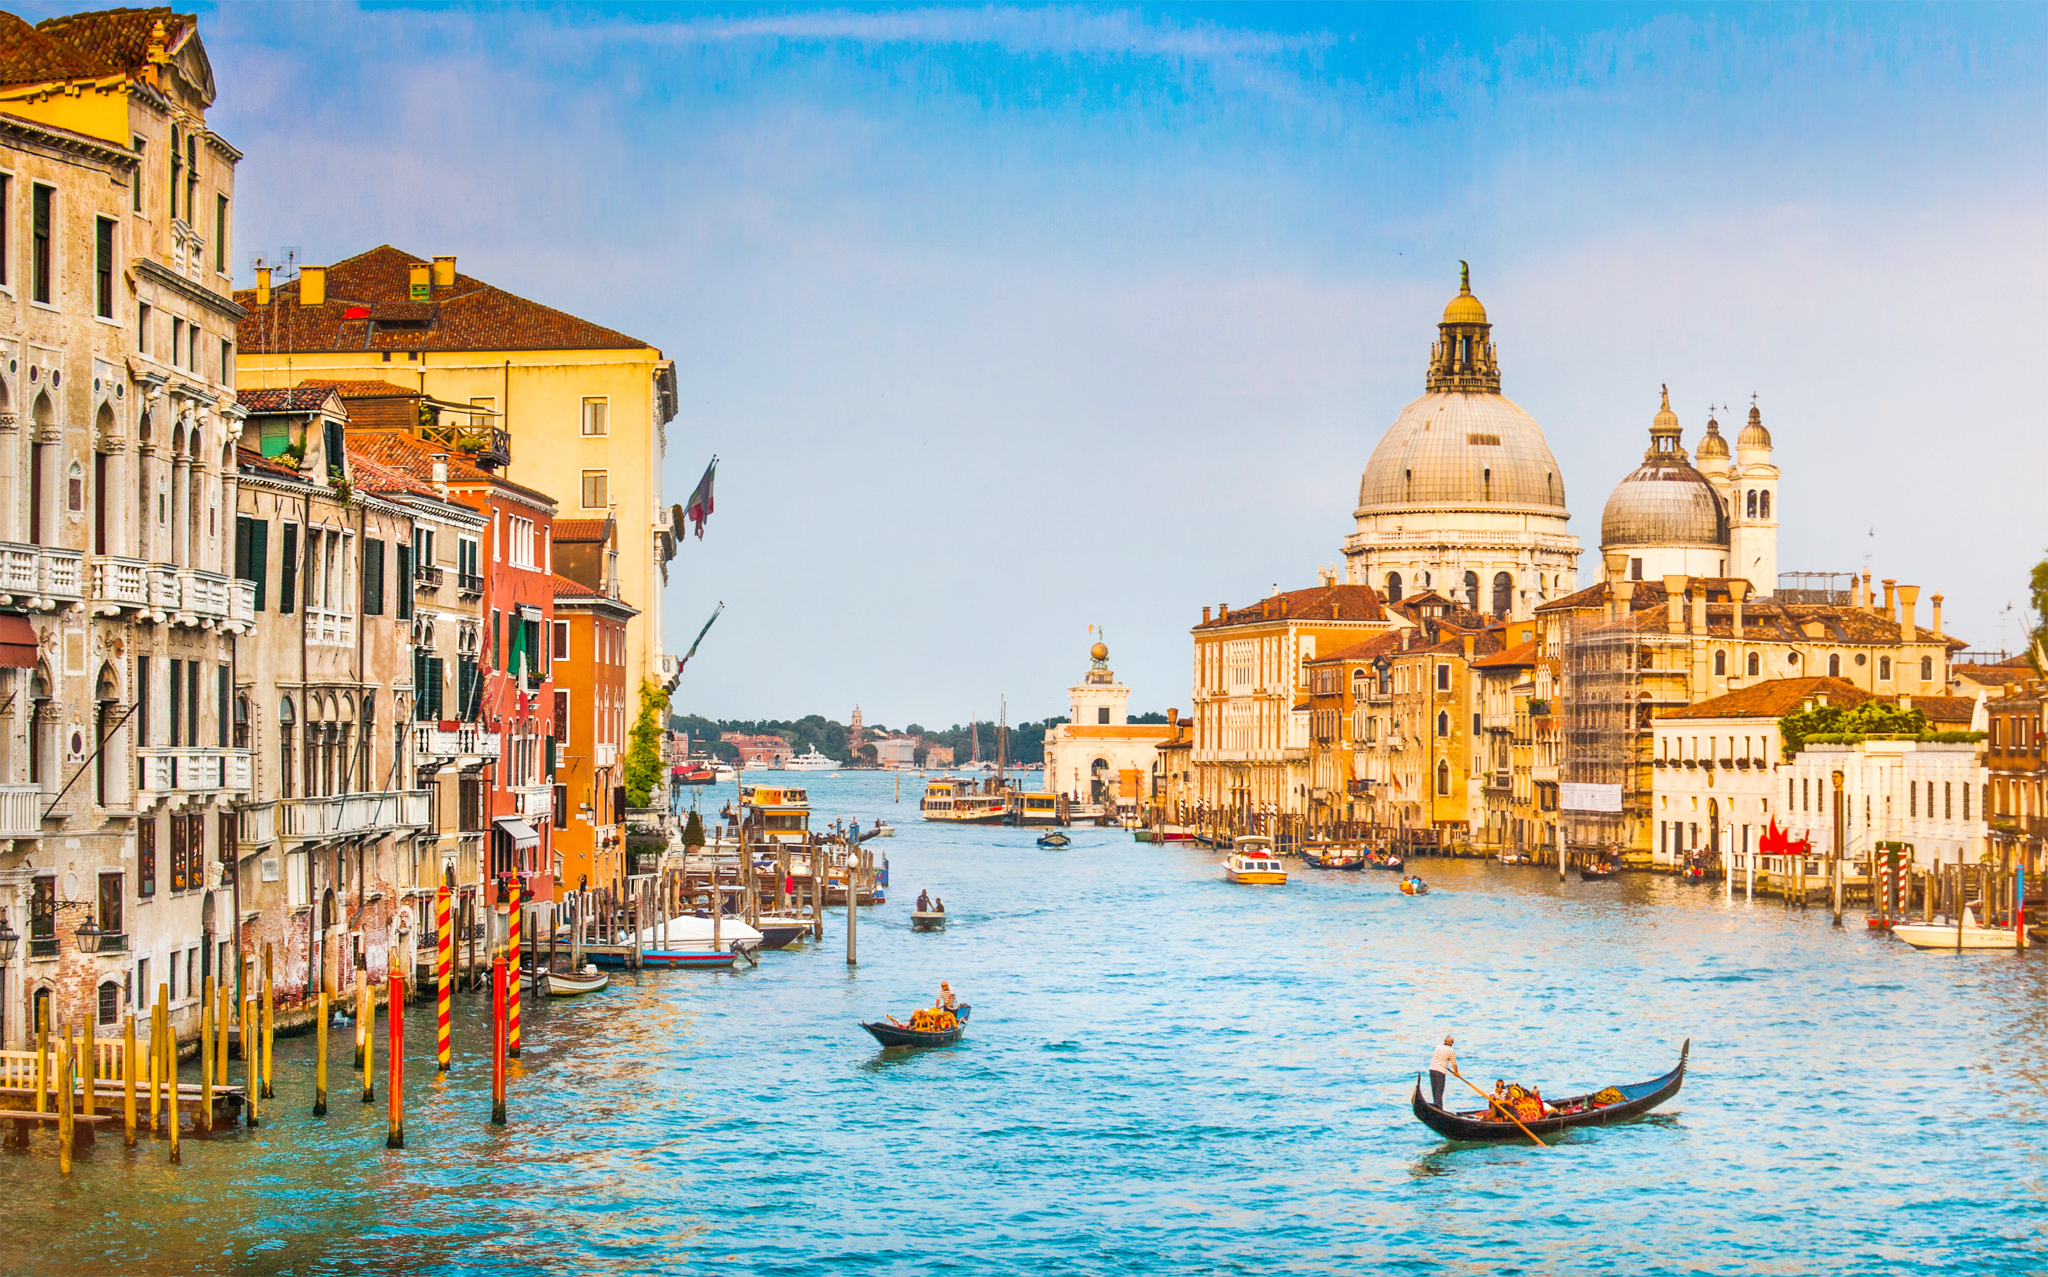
(583, 490)
(603, 404)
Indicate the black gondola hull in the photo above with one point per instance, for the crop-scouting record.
(1638, 1099)
(892, 1035)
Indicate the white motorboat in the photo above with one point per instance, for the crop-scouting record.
(812, 761)
(690, 933)
(564, 984)
(723, 774)
(1944, 933)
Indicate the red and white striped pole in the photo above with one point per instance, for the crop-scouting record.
(512, 1012)
(444, 970)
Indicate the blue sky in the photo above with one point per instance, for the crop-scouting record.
(1005, 321)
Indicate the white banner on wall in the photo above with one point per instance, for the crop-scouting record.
(1580, 797)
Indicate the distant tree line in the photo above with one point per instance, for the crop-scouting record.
(828, 737)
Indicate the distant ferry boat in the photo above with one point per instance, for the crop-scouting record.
(811, 762)
(956, 802)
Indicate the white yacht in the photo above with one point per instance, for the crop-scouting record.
(811, 762)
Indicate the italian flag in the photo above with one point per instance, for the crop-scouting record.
(700, 506)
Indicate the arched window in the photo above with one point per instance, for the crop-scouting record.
(1443, 723)
(1834, 665)
(1752, 503)
(1393, 587)
(1503, 593)
(1754, 664)
(1443, 779)
(1764, 504)
(1927, 669)
(1472, 590)
(1884, 669)
(1720, 663)
(287, 722)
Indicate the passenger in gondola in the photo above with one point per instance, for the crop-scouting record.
(947, 1001)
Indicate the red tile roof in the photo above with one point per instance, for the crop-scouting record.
(567, 589)
(472, 315)
(365, 389)
(1522, 654)
(371, 475)
(412, 458)
(596, 530)
(250, 461)
(29, 56)
(1323, 603)
(111, 40)
(1773, 698)
(281, 399)
(1947, 712)
(1369, 649)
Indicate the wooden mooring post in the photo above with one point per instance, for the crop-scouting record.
(394, 1015)
(203, 1122)
(498, 1040)
(320, 1058)
(128, 1068)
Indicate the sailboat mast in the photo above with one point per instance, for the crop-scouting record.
(1002, 736)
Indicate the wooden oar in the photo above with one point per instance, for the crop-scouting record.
(1493, 1103)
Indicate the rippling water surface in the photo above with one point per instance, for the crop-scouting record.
(1165, 1073)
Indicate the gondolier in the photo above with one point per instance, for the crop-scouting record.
(1441, 1061)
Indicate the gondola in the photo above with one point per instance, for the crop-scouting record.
(1579, 1110)
(896, 1035)
(1388, 861)
(1331, 860)
(1596, 873)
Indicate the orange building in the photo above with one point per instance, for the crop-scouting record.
(592, 714)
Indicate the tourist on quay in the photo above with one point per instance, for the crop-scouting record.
(1441, 1061)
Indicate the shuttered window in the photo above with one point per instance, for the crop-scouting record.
(373, 577)
(252, 554)
(404, 599)
(288, 570)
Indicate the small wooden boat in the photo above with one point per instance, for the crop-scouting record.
(1054, 840)
(564, 984)
(1944, 934)
(892, 1035)
(928, 920)
(1876, 923)
(1604, 1107)
(1384, 860)
(1595, 873)
(1414, 887)
(779, 931)
(1332, 859)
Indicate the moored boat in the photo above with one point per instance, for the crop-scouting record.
(1603, 1107)
(1966, 933)
(892, 1034)
(1253, 863)
(566, 984)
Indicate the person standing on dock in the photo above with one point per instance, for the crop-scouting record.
(1441, 1061)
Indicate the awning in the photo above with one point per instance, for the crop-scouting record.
(521, 833)
(17, 643)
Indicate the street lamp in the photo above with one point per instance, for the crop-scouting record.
(8, 940)
(89, 936)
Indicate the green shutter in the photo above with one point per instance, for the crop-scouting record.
(259, 558)
(404, 582)
(437, 673)
(373, 577)
(288, 570)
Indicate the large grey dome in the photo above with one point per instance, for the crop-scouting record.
(1462, 448)
(1664, 503)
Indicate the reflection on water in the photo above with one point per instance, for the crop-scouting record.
(1164, 1073)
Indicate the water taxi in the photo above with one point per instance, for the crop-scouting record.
(1252, 862)
(962, 802)
(1034, 808)
(776, 813)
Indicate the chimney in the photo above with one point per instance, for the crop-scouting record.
(422, 276)
(262, 285)
(1616, 565)
(444, 272)
(1736, 590)
(1891, 608)
(1205, 616)
(1468, 649)
(1172, 715)
(1869, 597)
(1909, 604)
(1699, 609)
(1905, 702)
(441, 476)
(1674, 602)
(1223, 611)
(1934, 623)
(312, 285)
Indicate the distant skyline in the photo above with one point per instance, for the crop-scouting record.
(1007, 321)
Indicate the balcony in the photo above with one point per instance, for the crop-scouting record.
(203, 598)
(428, 577)
(469, 585)
(192, 769)
(113, 942)
(346, 815)
(242, 603)
(489, 446)
(21, 810)
(330, 627)
(535, 800)
(256, 825)
(430, 742)
(42, 947)
(40, 578)
(607, 754)
(117, 584)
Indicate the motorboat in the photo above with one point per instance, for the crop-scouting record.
(1055, 840)
(566, 984)
(882, 829)
(810, 761)
(928, 920)
(686, 941)
(1962, 933)
(1252, 862)
(780, 930)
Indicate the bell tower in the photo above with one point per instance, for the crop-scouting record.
(1462, 358)
(1753, 507)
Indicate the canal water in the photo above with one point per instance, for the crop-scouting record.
(1164, 1074)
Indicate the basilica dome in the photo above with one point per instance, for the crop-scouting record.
(1665, 502)
(1460, 448)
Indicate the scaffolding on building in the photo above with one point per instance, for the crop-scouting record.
(1599, 703)
(1832, 589)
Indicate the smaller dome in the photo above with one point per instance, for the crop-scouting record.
(1754, 435)
(1100, 652)
(1464, 308)
(1712, 446)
